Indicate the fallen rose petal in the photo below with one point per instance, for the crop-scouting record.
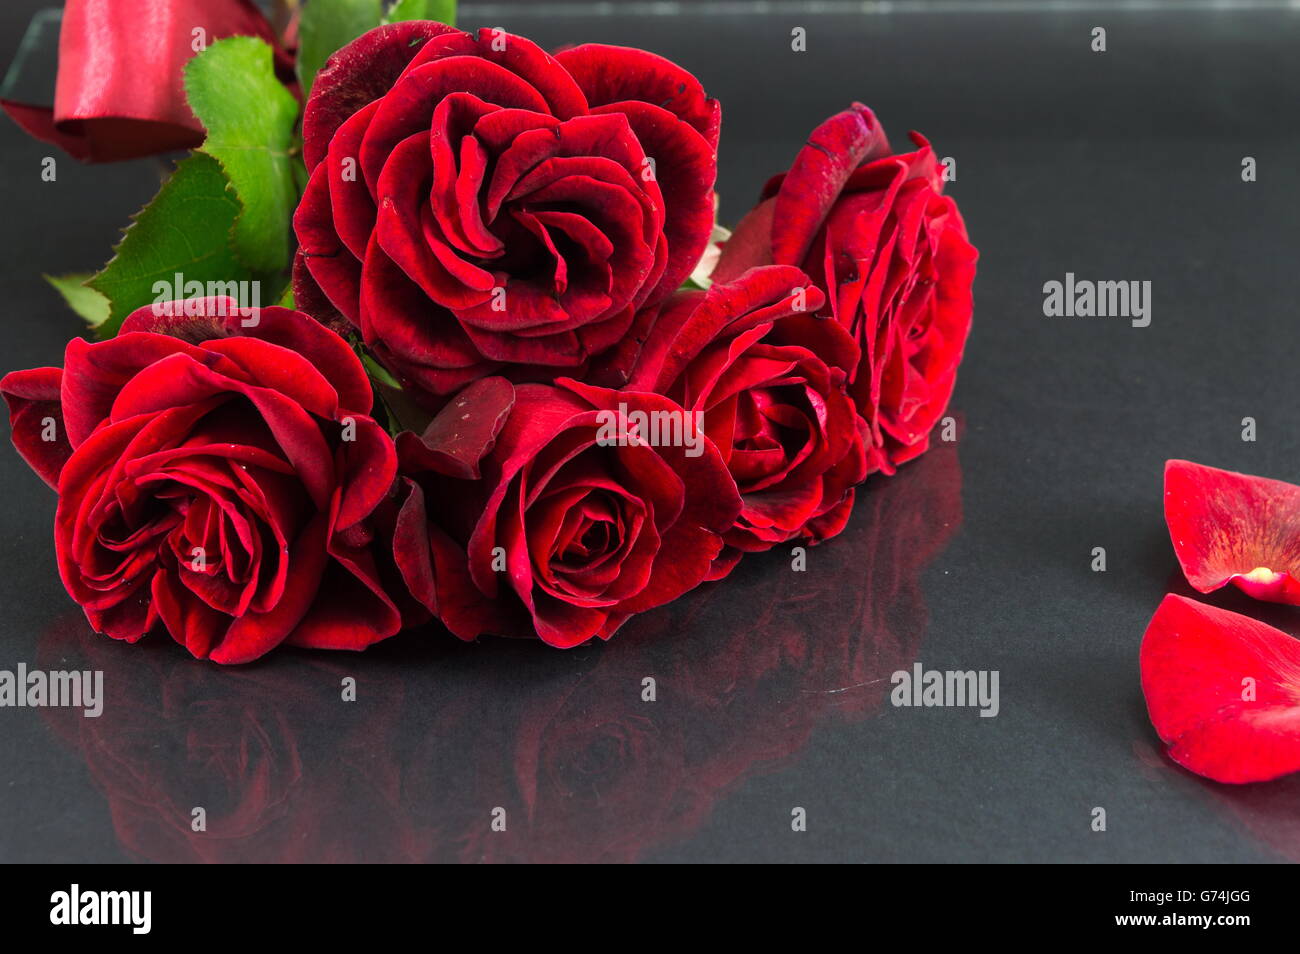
(1234, 528)
(1223, 691)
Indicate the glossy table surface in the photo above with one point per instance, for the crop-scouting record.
(772, 689)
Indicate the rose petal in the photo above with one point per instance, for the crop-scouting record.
(1223, 691)
(750, 245)
(1234, 528)
(94, 375)
(358, 74)
(367, 468)
(333, 270)
(34, 406)
(462, 433)
(325, 353)
(685, 168)
(520, 56)
(411, 550)
(833, 151)
(617, 74)
(256, 634)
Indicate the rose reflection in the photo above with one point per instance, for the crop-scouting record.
(441, 733)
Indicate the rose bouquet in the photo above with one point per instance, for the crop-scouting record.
(440, 325)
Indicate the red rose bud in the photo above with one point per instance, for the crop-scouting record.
(1223, 691)
(1234, 528)
(768, 380)
(890, 252)
(218, 472)
(119, 92)
(580, 517)
(476, 204)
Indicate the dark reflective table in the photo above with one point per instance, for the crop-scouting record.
(772, 689)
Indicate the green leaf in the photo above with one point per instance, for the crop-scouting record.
(91, 305)
(377, 371)
(249, 116)
(327, 25)
(185, 230)
(444, 11)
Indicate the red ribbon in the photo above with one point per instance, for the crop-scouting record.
(119, 93)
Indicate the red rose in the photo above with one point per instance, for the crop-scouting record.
(890, 251)
(553, 511)
(218, 477)
(475, 203)
(768, 380)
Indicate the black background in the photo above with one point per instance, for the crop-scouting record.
(1122, 165)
